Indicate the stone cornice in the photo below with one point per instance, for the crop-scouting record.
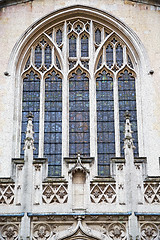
(148, 2)
(6, 3)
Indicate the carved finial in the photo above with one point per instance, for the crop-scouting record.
(30, 115)
(29, 141)
(127, 115)
(128, 132)
(79, 157)
(79, 166)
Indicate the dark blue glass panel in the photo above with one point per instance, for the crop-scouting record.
(84, 46)
(127, 101)
(48, 56)
(130, 62)
(53, 123)
(59, 37)
(109, 56)
(78, 28)
(119, 55)
(105, 122)
(38, 56)
(57, 63)
(72, 46)
(97, 36)
(27, 63)
(79, 128)
(31, 103)
(99, 62)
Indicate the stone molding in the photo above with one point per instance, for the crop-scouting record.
(148, 2)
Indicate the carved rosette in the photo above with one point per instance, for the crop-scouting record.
(149, 231)
(42, 231)
(117, 231)
(9, 232)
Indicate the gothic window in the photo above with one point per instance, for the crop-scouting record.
(105, 123)
(53, 123)
(84, 46)
(31, 103)
(72, 46)
(79, 137)
(76, 73)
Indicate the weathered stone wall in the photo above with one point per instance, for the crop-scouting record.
(141, 18)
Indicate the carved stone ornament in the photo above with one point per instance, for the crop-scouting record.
(10, 232)
(117, 231)
(152, 193)
(42, 231)
(7, 194)
(149, 231)
(103, 193)
(55, 193)
(78, 166)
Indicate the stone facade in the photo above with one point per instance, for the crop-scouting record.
(79, 204)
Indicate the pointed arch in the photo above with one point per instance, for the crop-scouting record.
(91, 19)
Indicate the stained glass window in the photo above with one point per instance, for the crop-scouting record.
(48, 56)
(127, 101)
(79, 128)
(70, 42)
(105, 122)
(59, 37)
(53, 123)
(57, 63)
(97, 36)
(27, 63)
(119, 55)
(31, 103)
(72, 46)
(99, 62)
(129, 62)
(38, 56)
(84, 46)
(109, 56)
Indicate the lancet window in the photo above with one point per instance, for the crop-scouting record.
(78, 81)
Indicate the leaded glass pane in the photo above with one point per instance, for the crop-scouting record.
(79, 128)
(72, 46)
(59, 37)
(109, 56)
(53, 123)
(38, 56)
(84, 46)
(129, 61)
(99, 62)
(57, 63)
(97, 36)
(48, 56)
(31, 103)
(27, 63)
(127, 101)
(105, 122)
(119, 55)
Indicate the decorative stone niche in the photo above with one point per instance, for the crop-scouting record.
(78, 180)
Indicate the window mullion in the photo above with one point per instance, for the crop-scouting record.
(41, 117)
(124, 55)
(116, 117)
(65, 100)
(92, 100)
